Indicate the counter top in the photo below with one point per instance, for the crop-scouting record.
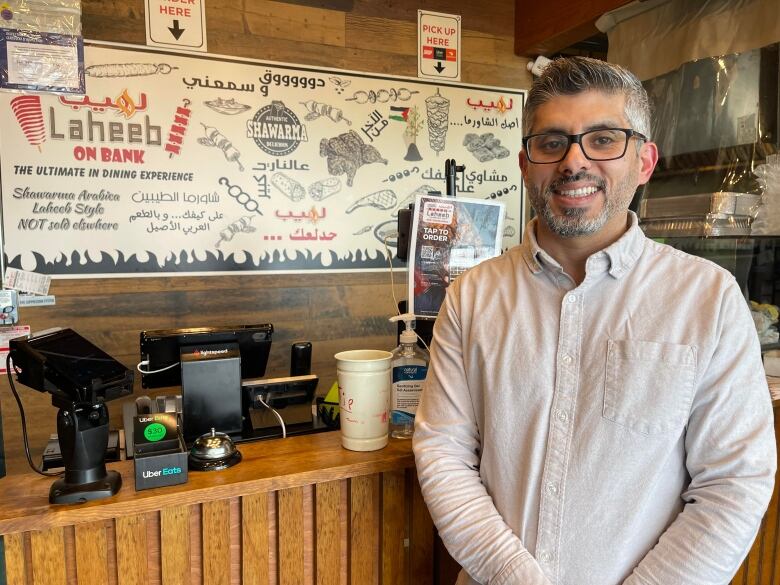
(266, 465)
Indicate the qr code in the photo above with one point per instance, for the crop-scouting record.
(427, 252)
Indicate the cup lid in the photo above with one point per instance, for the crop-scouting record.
(363, 355)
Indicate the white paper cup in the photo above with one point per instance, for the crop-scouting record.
(364, 398)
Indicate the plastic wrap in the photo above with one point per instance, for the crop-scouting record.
(715, 122)
(716, 190)
(41, 47)
(46, 16)
(658, 36)
(767, 221)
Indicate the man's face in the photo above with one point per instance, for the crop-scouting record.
(576, 196)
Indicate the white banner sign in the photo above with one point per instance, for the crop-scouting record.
(438, 45)
(174, 164)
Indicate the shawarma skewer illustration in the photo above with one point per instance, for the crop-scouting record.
(317, 109)
(241, 225)
(128, 69)
(382, 96)
(215, 138)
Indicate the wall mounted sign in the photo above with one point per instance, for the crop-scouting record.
(438, 45)
(176, 24)
(40, 61)
(181, 164)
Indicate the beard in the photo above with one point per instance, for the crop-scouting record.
(573, 221)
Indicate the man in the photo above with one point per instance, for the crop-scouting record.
(596, 411)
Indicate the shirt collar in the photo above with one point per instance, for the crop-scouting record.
(621, 255)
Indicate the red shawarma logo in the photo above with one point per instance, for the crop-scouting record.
(27, 109)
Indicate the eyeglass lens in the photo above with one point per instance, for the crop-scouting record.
(596, 144)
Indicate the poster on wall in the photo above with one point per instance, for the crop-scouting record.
(449, 236)
(179, 164)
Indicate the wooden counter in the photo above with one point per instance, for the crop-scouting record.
(295, 511)
(299, 511)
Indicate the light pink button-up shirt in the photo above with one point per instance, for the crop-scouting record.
(615, 432)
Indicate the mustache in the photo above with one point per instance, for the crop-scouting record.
(581, 176)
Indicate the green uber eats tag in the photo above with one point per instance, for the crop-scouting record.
(154, 432)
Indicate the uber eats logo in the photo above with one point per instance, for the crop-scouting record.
(161, 472)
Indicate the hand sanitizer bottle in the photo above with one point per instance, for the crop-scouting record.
(410, 366)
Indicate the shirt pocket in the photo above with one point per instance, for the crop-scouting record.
(649, 386)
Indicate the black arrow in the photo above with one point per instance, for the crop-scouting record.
(177, 32)
(438, 66)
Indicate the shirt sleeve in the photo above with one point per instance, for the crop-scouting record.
(446, 448)
(731, 459)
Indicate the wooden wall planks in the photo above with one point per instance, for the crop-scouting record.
(131, 550)
(296, 23)
(216, 542)
(547, 27)
(377, 551)
(48, 552)
(254, 539)
(394, 521)
(291, 542)
(175, 524)
(328, 532)
(15, 564)
(92, 553)
(363, 538)
(335, 312)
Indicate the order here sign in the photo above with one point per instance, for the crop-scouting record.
(176, 24)
(438, 45)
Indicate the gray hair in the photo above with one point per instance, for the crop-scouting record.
(573, 75)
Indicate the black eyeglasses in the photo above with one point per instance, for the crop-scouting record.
(599, 145)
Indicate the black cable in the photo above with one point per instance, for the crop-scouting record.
(24, 422)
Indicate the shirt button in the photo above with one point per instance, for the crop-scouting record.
(552, 489)
(567, 359)
(545, 557)
(572, 298)
(562, 416)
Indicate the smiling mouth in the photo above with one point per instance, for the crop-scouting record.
(577, 193)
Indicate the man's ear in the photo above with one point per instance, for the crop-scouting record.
(523, 160)
(648, 157)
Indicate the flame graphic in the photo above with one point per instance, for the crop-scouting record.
(125, 104)
(314, 216)
(501, 105)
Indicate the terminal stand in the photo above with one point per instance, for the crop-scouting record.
(82, 429)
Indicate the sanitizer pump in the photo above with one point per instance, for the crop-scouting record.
(410, 366)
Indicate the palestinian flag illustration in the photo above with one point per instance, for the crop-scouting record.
(399, 113)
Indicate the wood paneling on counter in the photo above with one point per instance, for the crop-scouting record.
(147, 537)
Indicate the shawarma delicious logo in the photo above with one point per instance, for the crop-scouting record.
(276, 129)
